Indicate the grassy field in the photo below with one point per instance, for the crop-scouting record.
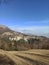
(30, 57)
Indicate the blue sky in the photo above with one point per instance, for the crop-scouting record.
(26, 14)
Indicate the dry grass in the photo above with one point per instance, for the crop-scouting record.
(30, 57)
(4, 60)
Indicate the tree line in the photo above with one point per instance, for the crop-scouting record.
(21, 44)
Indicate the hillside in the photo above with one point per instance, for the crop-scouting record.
(11, 40)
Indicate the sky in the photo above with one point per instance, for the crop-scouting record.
(29, 16)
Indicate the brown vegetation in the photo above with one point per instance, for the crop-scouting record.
(21, 44)
(33, 42)
(30, 57)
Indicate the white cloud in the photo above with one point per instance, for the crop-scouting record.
(36, 30)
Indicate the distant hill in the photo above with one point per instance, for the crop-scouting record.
(12, 40)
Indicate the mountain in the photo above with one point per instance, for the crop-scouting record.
(5, 31)
(12, 40)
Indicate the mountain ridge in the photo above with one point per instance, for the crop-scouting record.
(12, 40)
